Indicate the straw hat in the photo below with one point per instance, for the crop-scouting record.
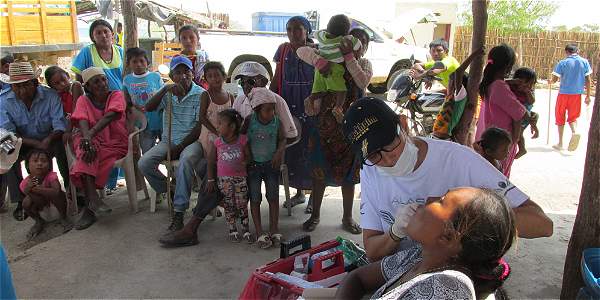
(20, 72)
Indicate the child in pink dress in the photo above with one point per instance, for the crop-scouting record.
(230, 155)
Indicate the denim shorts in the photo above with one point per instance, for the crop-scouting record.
(258, 173)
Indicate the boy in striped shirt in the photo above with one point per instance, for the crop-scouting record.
(331, 79)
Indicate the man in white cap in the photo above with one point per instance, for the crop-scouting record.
(35, 114)
(252, 74)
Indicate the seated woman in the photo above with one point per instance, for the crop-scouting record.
(461, 239)
(100, 140)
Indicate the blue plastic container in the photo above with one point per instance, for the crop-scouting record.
(270, 21)
(590, 270)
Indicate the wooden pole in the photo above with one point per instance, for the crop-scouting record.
(130, 23)
(586, 230)
(549, 108)
(467, 122)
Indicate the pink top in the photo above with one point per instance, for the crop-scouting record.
(499, 109)
(231, 160)
(115, 134)
(45, 183)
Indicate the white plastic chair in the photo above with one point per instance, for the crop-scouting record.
(285, 177)
(174, 165)
(127, 163)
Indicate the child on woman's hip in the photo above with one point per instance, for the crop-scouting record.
(228, 157)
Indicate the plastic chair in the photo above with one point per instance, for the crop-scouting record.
(174, 164)
(127, 163)
(285, 177)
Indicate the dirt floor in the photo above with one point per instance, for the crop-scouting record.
(119, 257)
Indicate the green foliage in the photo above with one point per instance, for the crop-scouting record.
(583, 28)
(516, 15)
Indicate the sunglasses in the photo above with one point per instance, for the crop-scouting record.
(248, 81)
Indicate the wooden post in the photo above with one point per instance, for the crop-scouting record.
(130, 26)
(467, 124)
(586, 230)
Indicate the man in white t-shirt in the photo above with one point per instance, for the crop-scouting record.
(399, 170)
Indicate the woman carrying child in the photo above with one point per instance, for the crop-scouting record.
(229, 155)
(42, 189)
(500, 107)
(102, 139)
(266, 145)
(214, 100)
(190, 42)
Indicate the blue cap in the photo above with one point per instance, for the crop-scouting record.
(178, 60)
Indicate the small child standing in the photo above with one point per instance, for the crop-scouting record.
(494, 146)
(42, 189)
(229, 155)
(523, 86)
(190, 42)
(69, 91)
(334, 82)
(214, 100)
(138, 88)
(266, 145)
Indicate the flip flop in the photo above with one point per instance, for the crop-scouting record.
(557, 147)
(295, 201)
(574, 142)
(351, 226)
(310, 224)
(248, 237)
(19, 213)
(276, 238)
(87, 219)
(264, 241)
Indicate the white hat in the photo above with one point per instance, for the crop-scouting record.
(261, 95)
(20, 72)
(250, 68)
(89, 73)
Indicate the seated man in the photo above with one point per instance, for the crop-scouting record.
(35, 114)
(438, 49)
(184, 96)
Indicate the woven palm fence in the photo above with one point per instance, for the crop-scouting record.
(540, 51)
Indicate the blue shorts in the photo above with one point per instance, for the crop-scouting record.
(258, 173)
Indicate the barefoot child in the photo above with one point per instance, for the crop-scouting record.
(190, 43)
(494, 146)
(42, 189)
(138, 88)
(229, 155)
(214, 100)
(332, 80)
(69, 91)
(523, 86)
(266, 145)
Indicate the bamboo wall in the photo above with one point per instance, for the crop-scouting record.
(540, 51)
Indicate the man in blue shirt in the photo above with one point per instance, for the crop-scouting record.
(184, 98)
(574, 73)
(35, 114)
(4, 64)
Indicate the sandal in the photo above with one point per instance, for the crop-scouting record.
(234, 237)
(310, 224)
(351, 226)
(19, 213)
(276, 238)
(574, 142)
(248, 237)
(88, 218)
(296, 200)
(264, 241)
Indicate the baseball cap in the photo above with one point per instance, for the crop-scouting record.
(90, 73)
(178, 60)
(250, 68)
(369, 125)
(261, 95)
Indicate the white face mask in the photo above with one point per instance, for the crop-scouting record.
(406, 162)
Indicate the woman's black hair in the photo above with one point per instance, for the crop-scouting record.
(96, 23)
(358, 30)
(338, 25)
(7, 59)
(486, 228)
(135, 52)
(214, 65)
(33, 152)
(439, 42)
(234, 117)
(189, 27)
(500, 60)
(51, 71)
(494, 137)
(526, 74)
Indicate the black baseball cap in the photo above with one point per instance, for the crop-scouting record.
(369, 125)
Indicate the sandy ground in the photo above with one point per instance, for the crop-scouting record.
(120, 258)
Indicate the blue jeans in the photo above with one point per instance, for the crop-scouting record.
(258, 173)
(191, 162)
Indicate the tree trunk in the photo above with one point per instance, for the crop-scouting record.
(586, 230)
(130, 26)
(463, 132)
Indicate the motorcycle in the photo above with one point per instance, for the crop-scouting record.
(422, 107)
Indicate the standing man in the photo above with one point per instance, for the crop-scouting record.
(574, 73)
(438, 49)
